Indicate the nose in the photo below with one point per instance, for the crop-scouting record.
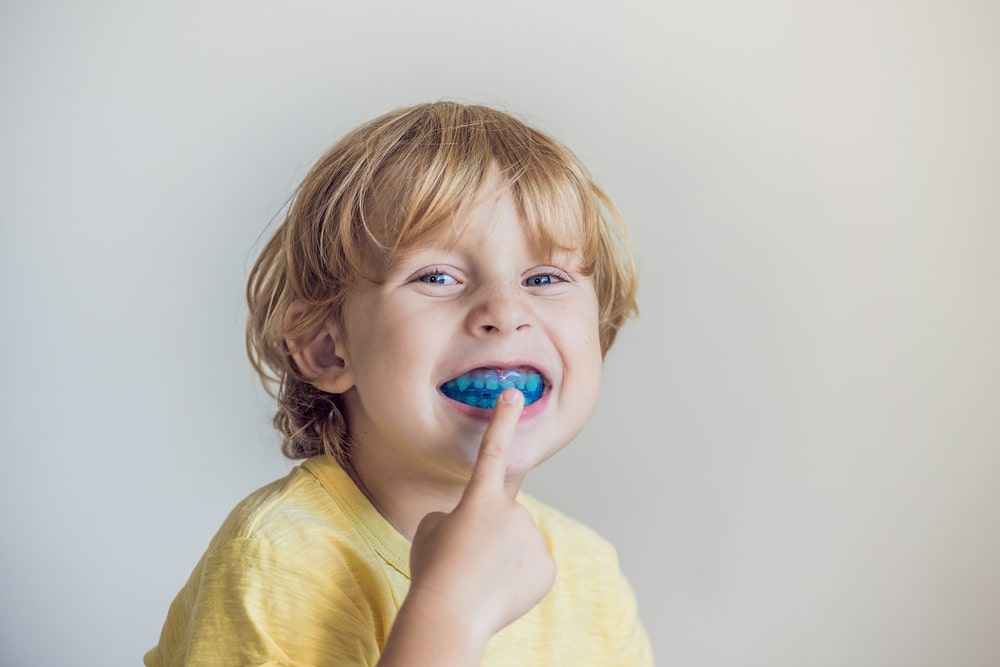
(498, 311)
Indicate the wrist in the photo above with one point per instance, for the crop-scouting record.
(431, 629)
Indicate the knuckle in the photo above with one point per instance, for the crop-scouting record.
(430, 521)
(491, 449)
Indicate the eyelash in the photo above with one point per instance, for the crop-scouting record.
(433, 272)
(558, 276)
(553, 275)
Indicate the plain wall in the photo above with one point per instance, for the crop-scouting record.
(797, 451)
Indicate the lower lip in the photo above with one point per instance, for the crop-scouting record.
(482, 414)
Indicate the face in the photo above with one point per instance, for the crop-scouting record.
(471, 303)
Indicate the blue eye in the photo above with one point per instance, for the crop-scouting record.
(437, 278)
(543, 279)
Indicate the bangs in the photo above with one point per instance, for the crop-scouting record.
(448, 161)
(559, 215)
(381, 190)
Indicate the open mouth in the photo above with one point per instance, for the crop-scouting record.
(481, 387)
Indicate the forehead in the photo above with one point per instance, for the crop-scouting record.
(495, 222)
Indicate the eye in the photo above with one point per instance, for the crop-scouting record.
(436, 277)
(549, 278)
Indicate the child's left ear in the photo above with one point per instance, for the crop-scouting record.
(323, 359)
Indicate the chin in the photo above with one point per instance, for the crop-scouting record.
(524, 460)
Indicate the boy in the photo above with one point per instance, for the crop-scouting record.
(435, 311)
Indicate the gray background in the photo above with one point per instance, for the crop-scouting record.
(798, 446)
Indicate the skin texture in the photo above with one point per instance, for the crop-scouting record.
(475, 294)
(475, 569)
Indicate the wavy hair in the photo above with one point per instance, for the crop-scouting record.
(383, 187)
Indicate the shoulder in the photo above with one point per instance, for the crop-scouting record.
(591, 601)
(575, 546)
(289, 568)
(315, 515)
(270, 512)
(315, 502)
(565, 529)
(290, 526)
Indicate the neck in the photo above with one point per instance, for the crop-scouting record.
(402, 501)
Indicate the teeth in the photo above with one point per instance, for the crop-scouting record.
(481, 387)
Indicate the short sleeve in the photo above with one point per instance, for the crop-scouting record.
(251, 603)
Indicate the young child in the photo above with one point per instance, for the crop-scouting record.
(434, 312)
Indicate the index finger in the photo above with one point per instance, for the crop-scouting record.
(490, 469)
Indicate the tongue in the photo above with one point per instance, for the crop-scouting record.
(481, 388)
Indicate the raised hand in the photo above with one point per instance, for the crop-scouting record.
(483, 565)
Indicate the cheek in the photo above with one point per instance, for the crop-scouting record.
(585, 363)
(397, 361)
(592, 374)
(590, 365)
(590, 335)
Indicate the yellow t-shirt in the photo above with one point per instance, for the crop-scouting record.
(305, 571)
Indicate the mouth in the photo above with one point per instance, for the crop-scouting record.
(481, 387)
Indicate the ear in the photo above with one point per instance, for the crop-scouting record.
(321, 358)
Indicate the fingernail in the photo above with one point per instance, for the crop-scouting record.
(511, 396)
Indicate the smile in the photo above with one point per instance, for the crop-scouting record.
(481, 387)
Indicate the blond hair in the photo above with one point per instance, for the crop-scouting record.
(384, 186)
